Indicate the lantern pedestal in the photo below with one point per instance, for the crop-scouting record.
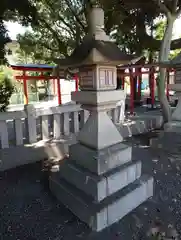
(172, 129)
(175, 124)
(98, 182)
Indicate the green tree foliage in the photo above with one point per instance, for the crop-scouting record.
(159, 29)
(158, 32)
(63, 24)
(21, 10)
(6, 88)
(174, 53)
(144, 13)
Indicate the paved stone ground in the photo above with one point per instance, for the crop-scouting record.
(28, 211)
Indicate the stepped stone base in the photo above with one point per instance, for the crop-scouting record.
(106, 212)
(100, 186)
(100, 161)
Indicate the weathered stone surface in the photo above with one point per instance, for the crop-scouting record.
(100, 215)
(79, 203)
(173, 126)
(100, 97)
(94, 135)
(100, 187)
(91, 184)
(138, 192)
(176, 115)
(100, 161)
(124, 129)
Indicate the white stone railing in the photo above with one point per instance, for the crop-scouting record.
(31, 125)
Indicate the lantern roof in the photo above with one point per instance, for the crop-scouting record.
(96, 47)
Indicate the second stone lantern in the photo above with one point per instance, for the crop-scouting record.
(99, 182)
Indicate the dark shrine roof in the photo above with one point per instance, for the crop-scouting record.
(33, 66)
(108, 49)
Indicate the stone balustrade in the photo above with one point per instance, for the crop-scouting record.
(34, 134)
(32, 125)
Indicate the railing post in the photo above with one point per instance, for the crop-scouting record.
(18, 131)
(75, 122)
(66, 124)
(57, 126)
(120, 109)
(45, 128)
(4, 134)
(31, 123)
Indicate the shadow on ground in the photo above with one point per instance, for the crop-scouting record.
(29, 211)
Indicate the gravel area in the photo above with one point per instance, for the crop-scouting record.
(28, 211)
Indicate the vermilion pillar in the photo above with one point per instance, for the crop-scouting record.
(152, 90)
(139, 81)
(131, 91)
(123, 80)
(167, 83)
(76, 83)
(59, 91)
(25, 88)
(54, 83)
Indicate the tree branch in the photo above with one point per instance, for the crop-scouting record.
(175, 3)
(48, 47)
(67, 24)
(71, 34)
(75, 15)
(62, 19)
(55, 35)
(150, 42)
(178, 13)
(163, 8)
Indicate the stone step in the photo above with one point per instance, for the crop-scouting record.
(100, 187)
(101, 215)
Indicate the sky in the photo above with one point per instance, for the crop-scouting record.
(15, 28)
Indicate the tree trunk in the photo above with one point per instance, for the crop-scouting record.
(164, 56)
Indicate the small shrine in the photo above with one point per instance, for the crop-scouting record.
(99, 182)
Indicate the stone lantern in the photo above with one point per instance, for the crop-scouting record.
(98, 182)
